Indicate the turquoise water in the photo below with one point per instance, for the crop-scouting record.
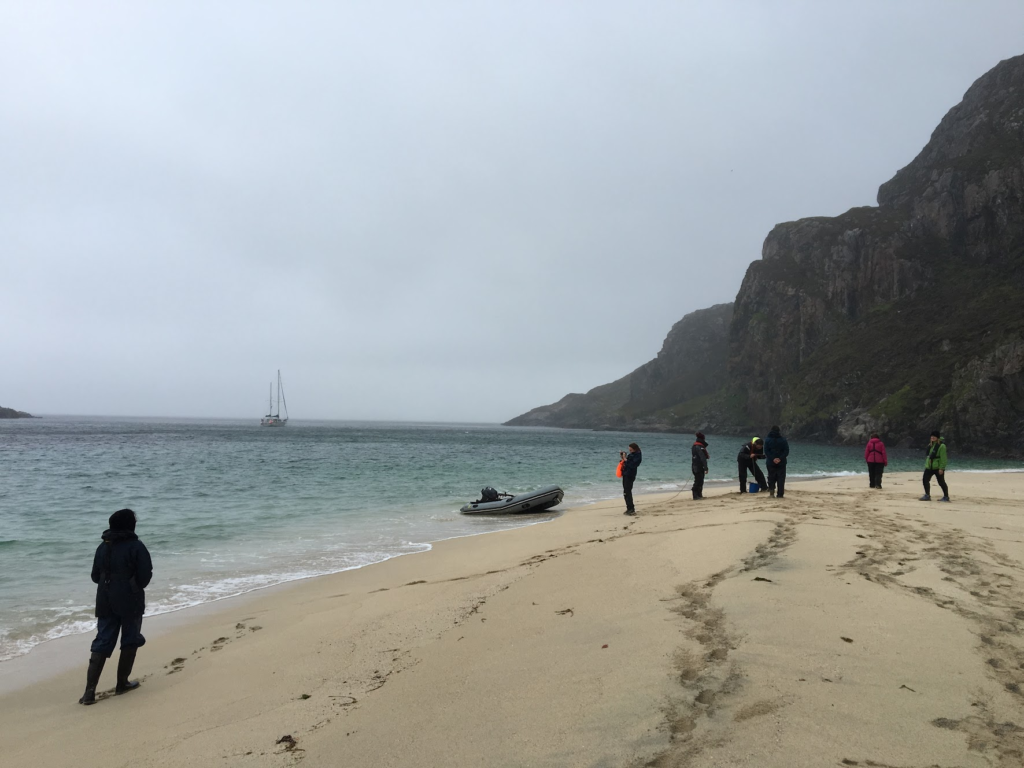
(226, 507)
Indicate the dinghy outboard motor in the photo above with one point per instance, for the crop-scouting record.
(488, 494)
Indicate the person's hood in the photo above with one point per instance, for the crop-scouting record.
(775, 433)
(115, 536)
(701, 442)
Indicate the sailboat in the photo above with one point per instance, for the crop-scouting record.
(274, 419)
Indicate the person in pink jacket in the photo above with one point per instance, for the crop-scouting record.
(874, 455)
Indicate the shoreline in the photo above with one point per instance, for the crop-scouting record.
(837, 624)
(20, 668)
(23, 674)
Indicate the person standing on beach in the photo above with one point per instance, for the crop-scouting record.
(699, 465)
(776, 451)
(121, 570)
(747, 460)
(874, 455)
(935, 466)
(632, 461)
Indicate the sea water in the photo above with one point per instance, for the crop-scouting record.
(226, 507)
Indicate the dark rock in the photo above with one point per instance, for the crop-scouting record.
(10, 413)
(666, 394)
(900, 318)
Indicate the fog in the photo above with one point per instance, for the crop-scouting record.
(448, 211)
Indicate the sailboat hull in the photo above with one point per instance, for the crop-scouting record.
(273, 419)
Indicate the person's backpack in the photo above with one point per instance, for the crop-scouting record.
(488, 494)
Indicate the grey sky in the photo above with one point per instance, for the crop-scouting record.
(434, 211)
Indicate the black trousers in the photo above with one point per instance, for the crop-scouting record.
(941, 479)
(698, 482)
(777, 479)
(748, 466)
(627, 491)
(875, 470)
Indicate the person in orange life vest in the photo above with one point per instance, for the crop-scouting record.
(632, 461)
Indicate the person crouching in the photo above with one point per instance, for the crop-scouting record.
(747, 461)
(121, 570)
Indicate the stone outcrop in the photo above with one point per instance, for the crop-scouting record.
(873, 320)
(665, 394)
(10, 413)
(900, 318)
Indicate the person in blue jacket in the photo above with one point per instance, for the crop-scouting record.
(121, 570)
(632, 461)
(776, 451)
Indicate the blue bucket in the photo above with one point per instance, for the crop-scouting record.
(754, 488)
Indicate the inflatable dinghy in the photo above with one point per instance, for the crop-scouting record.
(494, 503)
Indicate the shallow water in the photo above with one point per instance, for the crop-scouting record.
(226, 506)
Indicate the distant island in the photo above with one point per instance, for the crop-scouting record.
(900, 318)
(10, 413)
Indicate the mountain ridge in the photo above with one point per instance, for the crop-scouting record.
(899, 318)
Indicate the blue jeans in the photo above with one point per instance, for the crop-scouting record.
(130, 629)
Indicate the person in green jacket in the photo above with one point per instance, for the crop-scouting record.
(935, 466)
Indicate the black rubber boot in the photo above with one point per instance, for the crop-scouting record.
(92, 678)
(124, 668)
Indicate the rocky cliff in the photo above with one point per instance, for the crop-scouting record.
(665, 394)
(900, 318)
(10, 413)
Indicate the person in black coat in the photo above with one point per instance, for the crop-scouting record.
(121, 570)
(747, 461)
(776, 451)
(699, 465)
(631, 462)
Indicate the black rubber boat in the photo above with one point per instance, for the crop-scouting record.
(521, 503)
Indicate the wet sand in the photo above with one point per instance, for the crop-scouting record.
(838, 626)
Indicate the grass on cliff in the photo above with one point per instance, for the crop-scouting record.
(899, 361)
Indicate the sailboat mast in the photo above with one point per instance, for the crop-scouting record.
(279, 392)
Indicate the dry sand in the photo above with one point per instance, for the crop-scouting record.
(839, 626)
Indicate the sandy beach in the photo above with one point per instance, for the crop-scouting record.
(839, 626)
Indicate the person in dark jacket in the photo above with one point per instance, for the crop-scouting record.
(747, 460)
(935, 466)
(776, 451)
(874, 455)
(632, 461)
(699, 465)
(121, 570)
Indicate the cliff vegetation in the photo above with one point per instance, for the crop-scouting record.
(900, 318)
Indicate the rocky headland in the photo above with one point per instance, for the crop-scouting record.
(10, 413)
(902, 318)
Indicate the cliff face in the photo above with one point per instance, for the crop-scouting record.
(665, 393)
(901, 318)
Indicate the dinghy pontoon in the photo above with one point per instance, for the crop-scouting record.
(493, 503)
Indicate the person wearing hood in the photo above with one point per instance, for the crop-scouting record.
(747, 460)
(935, 466)
(121, 570)
(630, 462)
(699, 465)
(877, 460)
(776, 451)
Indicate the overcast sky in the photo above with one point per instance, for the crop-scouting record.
(425, 210)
